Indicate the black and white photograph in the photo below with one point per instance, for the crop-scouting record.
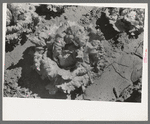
(74, 52)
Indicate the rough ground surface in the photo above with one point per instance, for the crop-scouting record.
(119, 81)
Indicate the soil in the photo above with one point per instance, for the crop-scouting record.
(128, 52)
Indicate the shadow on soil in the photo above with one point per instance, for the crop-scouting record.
(30, 79)
(42, 10)
(106, 27)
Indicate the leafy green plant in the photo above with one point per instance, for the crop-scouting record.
(130, 20)
(67, 52)
(21, 20)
